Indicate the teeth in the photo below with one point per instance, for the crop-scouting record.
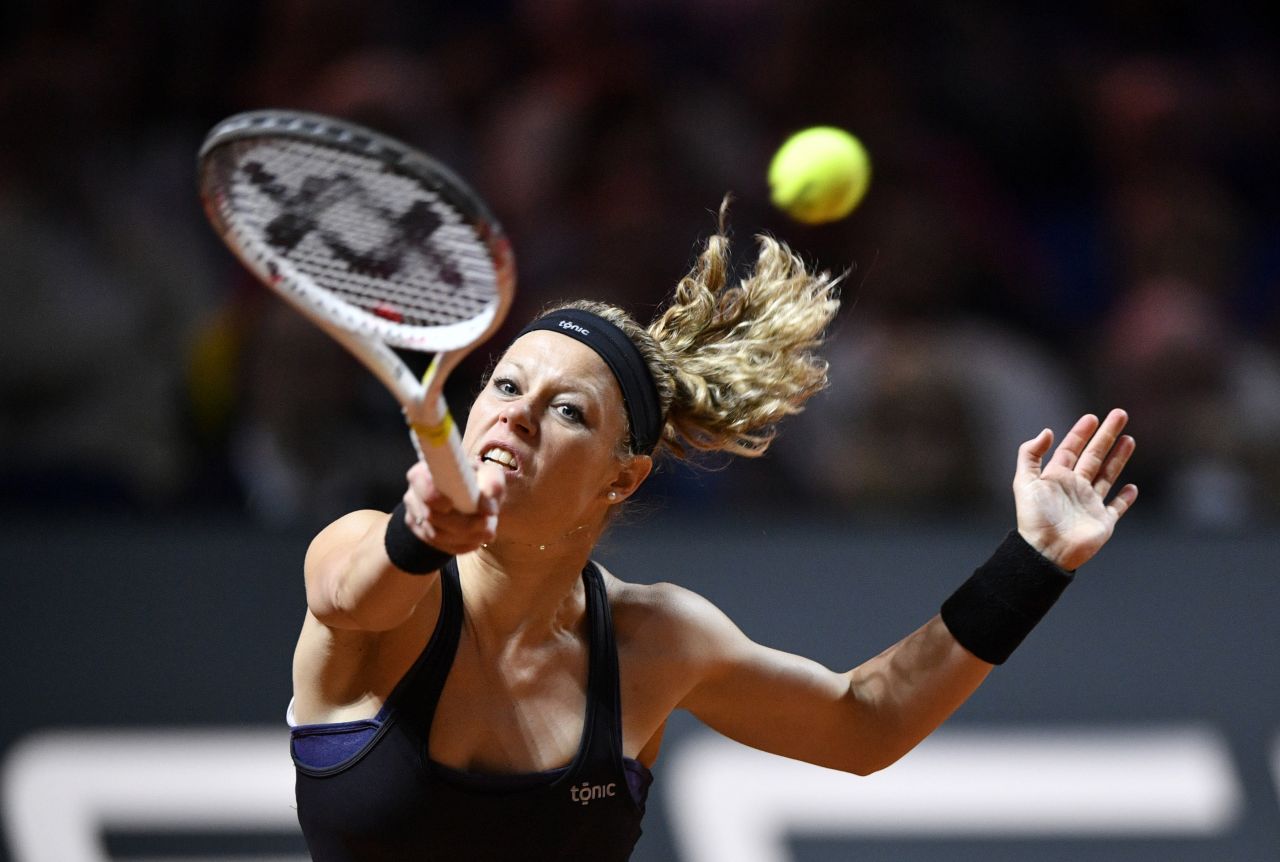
(502, 456)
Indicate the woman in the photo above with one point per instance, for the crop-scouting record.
(472, 686)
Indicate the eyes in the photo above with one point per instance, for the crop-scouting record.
(570, 412)
(562, 406)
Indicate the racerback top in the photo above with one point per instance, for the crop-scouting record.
(367, 791)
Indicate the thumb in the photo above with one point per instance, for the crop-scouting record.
(492, 482)
(1031, 455)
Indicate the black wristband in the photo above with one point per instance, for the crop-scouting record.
(1001, 603)
(407, 552)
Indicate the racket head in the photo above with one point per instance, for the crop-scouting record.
(368, 236)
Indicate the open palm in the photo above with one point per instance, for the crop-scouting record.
(1062, 506)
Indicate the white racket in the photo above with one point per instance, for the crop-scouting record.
(381, 246)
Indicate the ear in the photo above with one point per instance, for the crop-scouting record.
(630, 476)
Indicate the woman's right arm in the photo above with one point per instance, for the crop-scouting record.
(351, 581)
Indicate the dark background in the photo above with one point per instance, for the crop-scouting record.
(184, 624)
(1069, 210)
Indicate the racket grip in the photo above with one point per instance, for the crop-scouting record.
(440, 446)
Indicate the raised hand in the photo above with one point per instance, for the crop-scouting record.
(1062, 507)
(431, 516)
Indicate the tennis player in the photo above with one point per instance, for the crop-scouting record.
(475, 687)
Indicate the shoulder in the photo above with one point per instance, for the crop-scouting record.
(350, 526)
(344, 533)
(670, 618)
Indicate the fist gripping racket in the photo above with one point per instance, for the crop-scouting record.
(381, 246)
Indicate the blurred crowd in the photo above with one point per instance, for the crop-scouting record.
(1070, 210)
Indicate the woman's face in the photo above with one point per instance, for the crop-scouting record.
(551, 417)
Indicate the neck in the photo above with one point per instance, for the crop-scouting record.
(523, 589)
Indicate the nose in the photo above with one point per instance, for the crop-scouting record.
(518, 416)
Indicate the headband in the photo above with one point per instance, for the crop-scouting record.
(639, 393)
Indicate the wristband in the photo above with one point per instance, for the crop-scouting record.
(407, 552)
(1001, 603)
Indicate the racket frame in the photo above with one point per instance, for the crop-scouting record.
(435, 435)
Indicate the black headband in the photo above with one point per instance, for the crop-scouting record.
(639, 394)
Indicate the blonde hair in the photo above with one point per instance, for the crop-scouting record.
(731, 360)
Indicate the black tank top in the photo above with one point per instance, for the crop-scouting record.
(385, 800)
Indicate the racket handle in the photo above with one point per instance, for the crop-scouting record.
(440, 446)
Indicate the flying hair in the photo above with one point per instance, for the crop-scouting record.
(731, 359)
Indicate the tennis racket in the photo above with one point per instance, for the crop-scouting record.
(379, 245)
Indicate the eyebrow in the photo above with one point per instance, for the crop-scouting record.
(575, 386)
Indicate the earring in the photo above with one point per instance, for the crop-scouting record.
(613, 495)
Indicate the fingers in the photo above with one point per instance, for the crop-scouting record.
(432, 517)
(492, 481)
(421, 495)
(1030, 456)
(1095, 451)
(1068, 454)
(1123, 500)
(1090, 448)
(1101, 445)
(1113, 463)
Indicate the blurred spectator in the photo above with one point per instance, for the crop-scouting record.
(1176, 347)
(921, 417)
(316, 433)
(1068, 211)
(100, 281)
(301, 428)
(1205, 402)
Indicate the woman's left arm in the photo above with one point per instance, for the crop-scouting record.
(1062, 506)
(867, 718)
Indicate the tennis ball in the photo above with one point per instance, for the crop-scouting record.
(819, 175)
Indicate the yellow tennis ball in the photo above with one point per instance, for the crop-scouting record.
(819, 175)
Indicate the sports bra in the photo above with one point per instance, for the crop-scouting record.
(367, 791)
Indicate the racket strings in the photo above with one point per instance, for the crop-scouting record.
(375, 238)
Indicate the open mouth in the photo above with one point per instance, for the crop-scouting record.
(499, 456)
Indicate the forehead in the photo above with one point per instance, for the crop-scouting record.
(565, 360)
